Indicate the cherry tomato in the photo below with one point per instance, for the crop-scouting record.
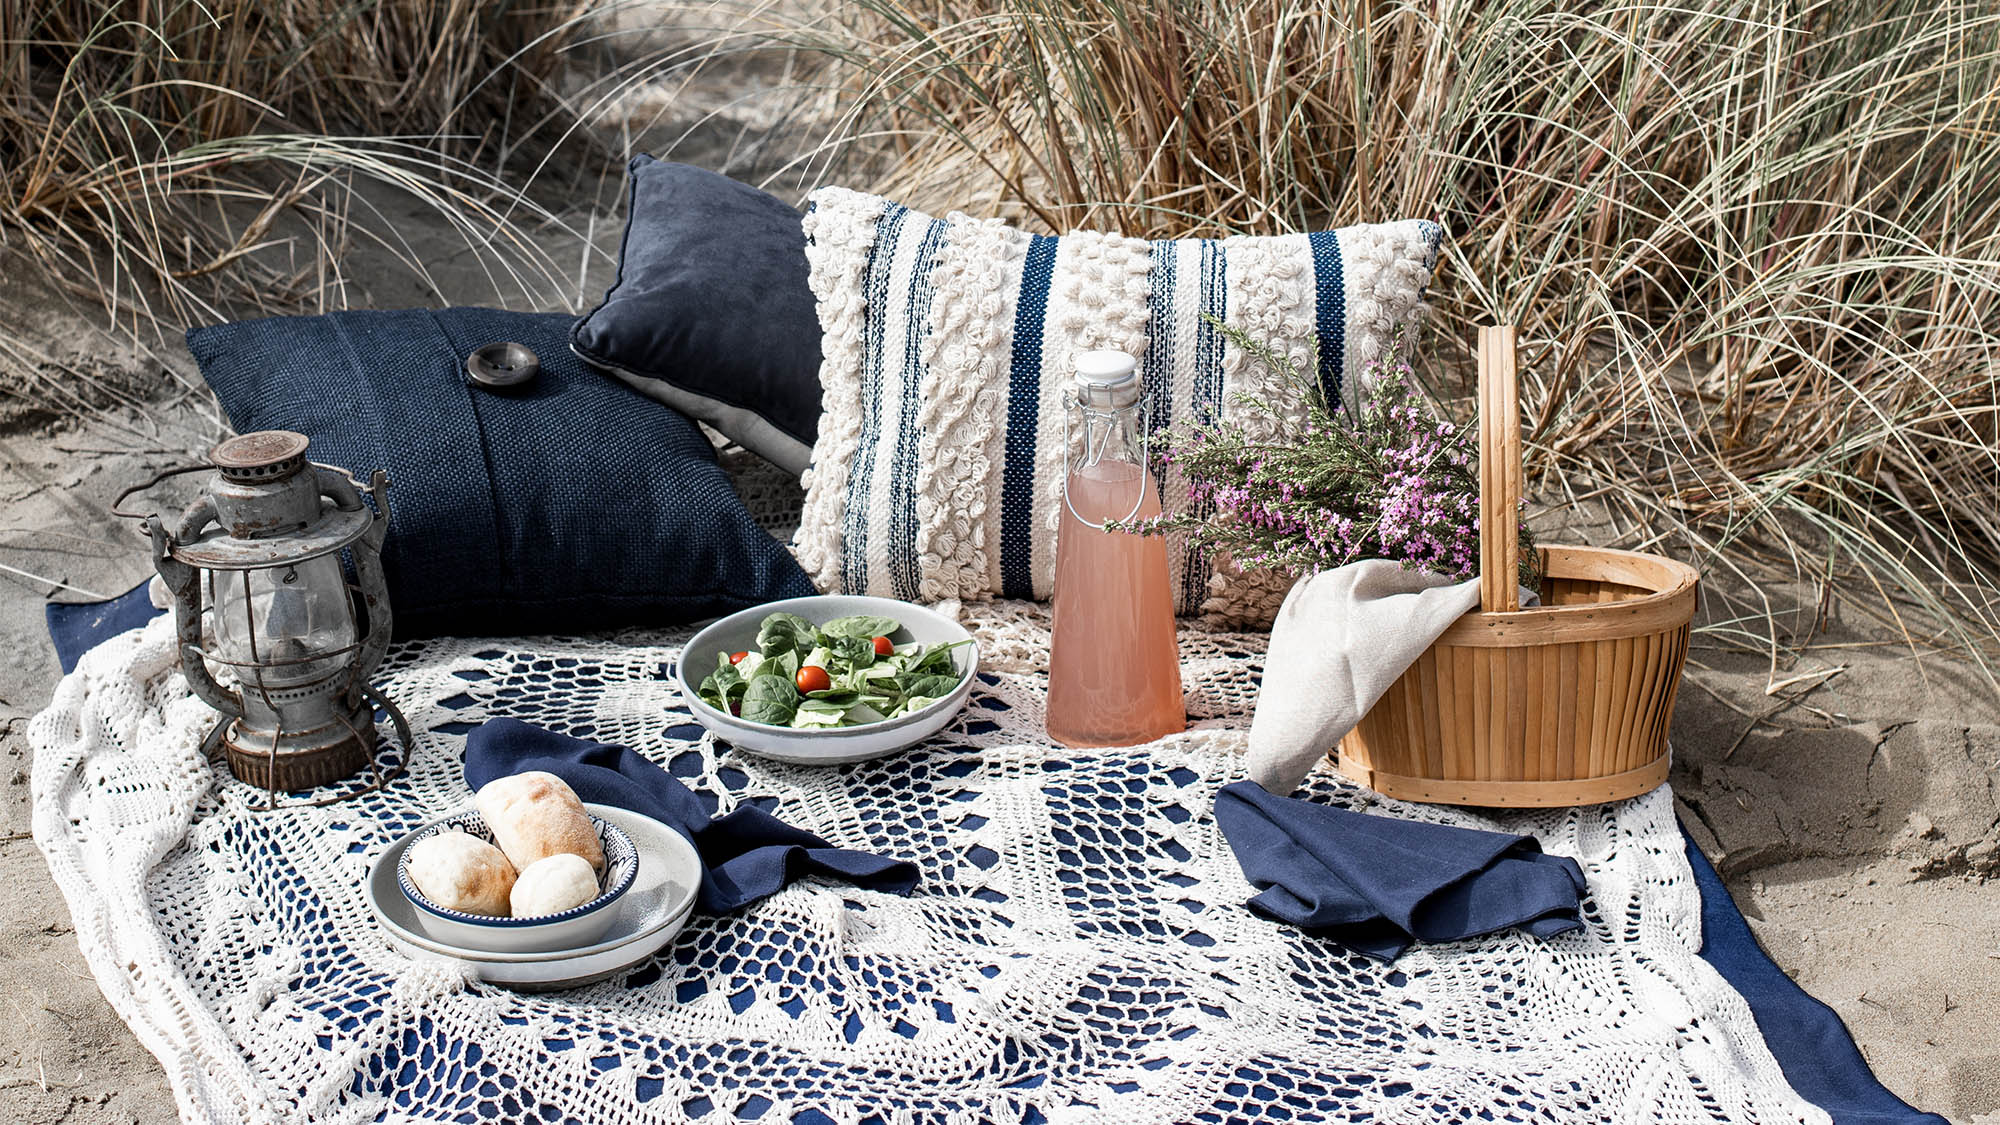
(883, 647)
(737, 657)
(812, 677)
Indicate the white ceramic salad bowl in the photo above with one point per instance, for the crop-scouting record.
(827, 745)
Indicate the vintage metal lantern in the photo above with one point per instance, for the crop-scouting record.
(271, 632)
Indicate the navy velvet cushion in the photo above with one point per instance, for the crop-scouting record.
(569, 504)
(712, 313)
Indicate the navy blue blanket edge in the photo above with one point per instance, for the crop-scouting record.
(1812, 1045)
(77, 627)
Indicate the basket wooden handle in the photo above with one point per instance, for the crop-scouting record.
(1499, 472)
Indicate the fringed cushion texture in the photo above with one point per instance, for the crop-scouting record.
(948, 345)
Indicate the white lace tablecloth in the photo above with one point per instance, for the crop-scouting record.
(1078, 950)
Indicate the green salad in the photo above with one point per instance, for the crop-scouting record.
(841, 674)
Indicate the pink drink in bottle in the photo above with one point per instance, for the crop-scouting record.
(1114, 664)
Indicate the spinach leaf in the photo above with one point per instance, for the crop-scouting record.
(864, 626)
(770, 699)
(929, 687)
(837, 697)
(712, 695)
(937, 661)
(819, 713)
(784, 632)
(721, 683)
(862, 713)
(855, 651)
(784, 666)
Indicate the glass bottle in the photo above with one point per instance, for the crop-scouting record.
(1114, 662)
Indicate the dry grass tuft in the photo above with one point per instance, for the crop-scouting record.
(1754, 248)
(176, 158)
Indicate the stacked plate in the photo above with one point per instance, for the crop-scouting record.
(649, 915)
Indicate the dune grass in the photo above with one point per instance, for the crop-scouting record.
(177, 158)
(1753, 248)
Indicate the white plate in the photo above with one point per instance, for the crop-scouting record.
(649, 915)
(548, 976)
(834, 746)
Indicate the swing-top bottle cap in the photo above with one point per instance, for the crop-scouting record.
(1106, 379)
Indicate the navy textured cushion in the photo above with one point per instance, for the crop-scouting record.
(711, 313)
(569, 504)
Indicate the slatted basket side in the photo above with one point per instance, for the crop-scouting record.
(1565, 703)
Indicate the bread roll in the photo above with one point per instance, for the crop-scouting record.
(462, 872)
(537, 815)
(553, 885)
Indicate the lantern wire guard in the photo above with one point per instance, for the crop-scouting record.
(383, 768)
(265, 531)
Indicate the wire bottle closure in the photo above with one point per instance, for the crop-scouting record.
(1107, 388)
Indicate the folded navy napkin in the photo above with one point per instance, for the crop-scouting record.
(745, 855)
(1377, 884)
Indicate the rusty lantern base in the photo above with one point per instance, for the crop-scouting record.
(301, 761)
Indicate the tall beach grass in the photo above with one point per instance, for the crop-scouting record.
(1754, 248)
(173, 158)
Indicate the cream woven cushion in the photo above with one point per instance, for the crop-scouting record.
(947, 344)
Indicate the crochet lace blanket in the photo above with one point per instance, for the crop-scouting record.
(1078, 950)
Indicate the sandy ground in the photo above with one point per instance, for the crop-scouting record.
(1851, 798)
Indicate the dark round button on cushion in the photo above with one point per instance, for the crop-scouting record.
(505, 364)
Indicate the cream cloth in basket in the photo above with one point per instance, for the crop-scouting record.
(1341, 638)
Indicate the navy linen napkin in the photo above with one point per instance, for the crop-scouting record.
(1377, 884)
(745, 855)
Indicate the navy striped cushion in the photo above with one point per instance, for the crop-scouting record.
(947, 343)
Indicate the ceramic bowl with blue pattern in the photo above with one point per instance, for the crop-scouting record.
(578, 926)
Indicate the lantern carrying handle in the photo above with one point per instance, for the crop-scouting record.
(118, 504)
(336, 484)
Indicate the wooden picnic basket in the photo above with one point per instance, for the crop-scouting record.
(1567, 703)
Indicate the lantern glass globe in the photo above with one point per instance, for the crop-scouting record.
(283, 625)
